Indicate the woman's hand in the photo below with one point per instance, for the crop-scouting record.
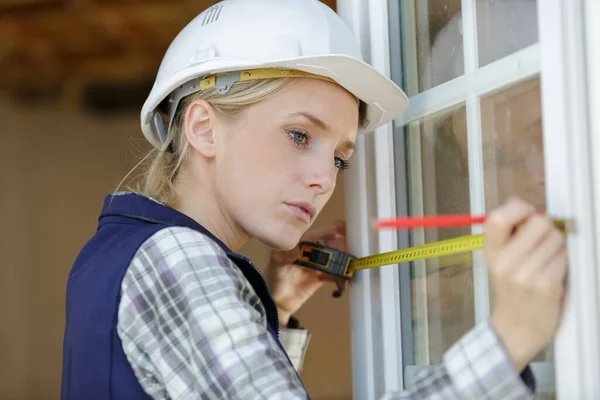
(528, 271)
(290, 284)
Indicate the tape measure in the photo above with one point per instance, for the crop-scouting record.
(343, 265)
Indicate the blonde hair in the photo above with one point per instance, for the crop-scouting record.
(158, 180)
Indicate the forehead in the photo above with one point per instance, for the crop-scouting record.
(333, 105)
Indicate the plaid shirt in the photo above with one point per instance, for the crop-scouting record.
(193, 327)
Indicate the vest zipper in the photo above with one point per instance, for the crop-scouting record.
(275, 313)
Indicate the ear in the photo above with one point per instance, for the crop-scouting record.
(199, 125)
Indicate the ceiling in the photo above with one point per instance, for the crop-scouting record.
(103, 53)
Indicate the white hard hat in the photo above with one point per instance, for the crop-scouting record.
(253, 39)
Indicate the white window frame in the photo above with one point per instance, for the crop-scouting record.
(571, 183)
(570, 89)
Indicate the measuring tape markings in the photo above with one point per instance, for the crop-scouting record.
(343, 265)
(431, 250)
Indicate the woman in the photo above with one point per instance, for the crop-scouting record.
(254, 112)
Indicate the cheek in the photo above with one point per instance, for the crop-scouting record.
(258, 166)
(269, 160)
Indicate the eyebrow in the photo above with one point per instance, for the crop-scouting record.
(348, 145)
(313, 119)
(322, 125)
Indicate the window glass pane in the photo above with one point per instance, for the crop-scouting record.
(513, 152)
(432, 43)
(504, 27)
(441, 297)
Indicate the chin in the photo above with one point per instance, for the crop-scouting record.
(284, 238)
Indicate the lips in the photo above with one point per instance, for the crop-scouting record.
(303, 211)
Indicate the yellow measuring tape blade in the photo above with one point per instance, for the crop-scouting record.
(442, 248)
(459, 245)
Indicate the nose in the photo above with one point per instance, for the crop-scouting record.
(321, 174)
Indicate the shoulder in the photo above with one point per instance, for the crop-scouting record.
(181, 265)
(176, 252)
(172, 243)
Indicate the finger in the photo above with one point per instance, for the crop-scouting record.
(557, 268)
(340, 227)
(327, 231)
(339, 244)
(542, 256)
(327, 278)
(532, 234)
(283, 257)
(500, 224)
(553, 280)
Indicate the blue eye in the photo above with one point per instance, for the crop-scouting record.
(298, 137)
(341, 163)
(302, 139)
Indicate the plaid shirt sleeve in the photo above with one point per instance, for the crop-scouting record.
(192, 327)
(295, 342)
(476, 367)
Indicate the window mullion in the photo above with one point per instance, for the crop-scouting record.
(519, 66)
(475, 154)
(507, 71)
(391, 326)
(477, 200)
(469, 25)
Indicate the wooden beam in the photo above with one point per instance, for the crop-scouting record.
(6, 5)
(128, 27)
(88, 40)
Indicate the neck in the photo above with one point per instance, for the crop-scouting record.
(197, 200)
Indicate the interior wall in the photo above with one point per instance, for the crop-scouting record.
(56, 166)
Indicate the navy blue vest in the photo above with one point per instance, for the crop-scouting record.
(94, 364)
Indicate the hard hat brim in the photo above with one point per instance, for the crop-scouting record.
(384, 99)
